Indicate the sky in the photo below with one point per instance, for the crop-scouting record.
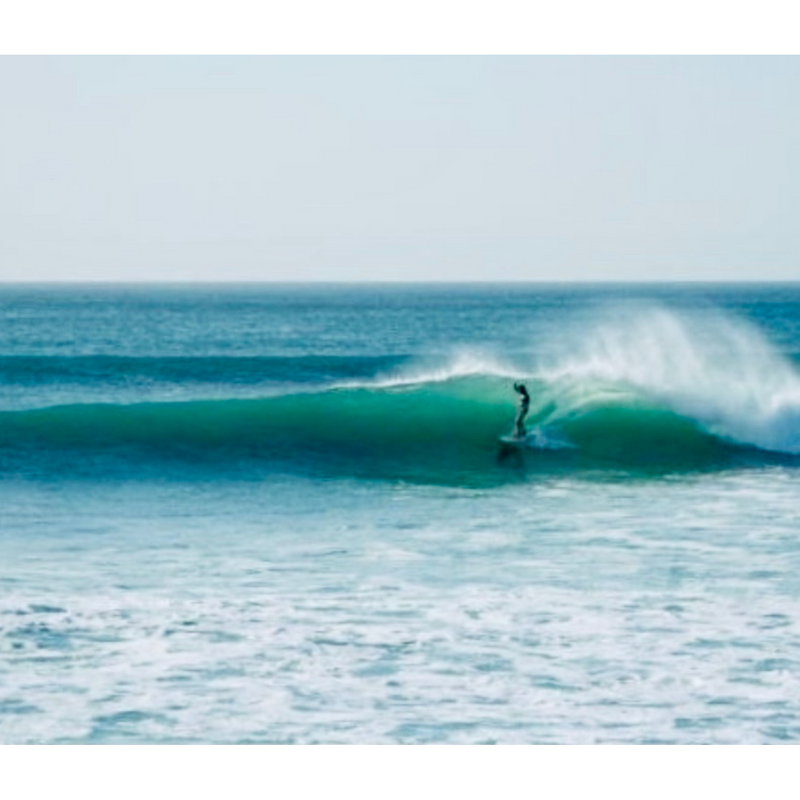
(389, 168)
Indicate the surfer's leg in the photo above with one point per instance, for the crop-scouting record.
(520, 422)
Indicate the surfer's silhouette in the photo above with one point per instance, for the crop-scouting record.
(522, 411)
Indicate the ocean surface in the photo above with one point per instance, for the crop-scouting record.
(282, 514)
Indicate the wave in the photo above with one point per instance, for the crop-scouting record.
(363, 430)
(658, 391)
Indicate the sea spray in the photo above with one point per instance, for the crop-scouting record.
(717, 370)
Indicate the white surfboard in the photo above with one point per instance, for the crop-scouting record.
(513, 441)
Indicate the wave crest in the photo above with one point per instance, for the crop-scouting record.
(716, 370)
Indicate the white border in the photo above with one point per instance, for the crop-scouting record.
(395, 27)
(405, 773)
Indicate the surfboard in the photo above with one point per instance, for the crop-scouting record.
(512, 441)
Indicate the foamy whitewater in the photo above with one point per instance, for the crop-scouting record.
(251, 514)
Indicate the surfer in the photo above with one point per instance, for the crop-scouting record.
(522, 412)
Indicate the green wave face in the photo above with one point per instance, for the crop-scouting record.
(443, 432)
(645, 437)
(387, 432)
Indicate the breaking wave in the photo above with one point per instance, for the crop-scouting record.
(655, 390)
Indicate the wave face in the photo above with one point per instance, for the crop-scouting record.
(384, 431)
(658, 391)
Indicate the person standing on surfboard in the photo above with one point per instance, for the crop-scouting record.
(522, 411)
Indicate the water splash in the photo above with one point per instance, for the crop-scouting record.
(715, 369)
(463, 363)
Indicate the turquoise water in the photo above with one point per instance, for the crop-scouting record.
(251, 514)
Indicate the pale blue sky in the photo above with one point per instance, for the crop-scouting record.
(399, 168)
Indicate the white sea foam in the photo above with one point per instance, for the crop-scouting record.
(463, 363)
(714, 368)
(315, 611)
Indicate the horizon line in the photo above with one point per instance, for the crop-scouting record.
(397, 282)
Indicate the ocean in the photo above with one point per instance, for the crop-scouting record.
(282, 514)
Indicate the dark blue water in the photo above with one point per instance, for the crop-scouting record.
(284, 514)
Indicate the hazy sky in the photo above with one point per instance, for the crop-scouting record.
(399, 168)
